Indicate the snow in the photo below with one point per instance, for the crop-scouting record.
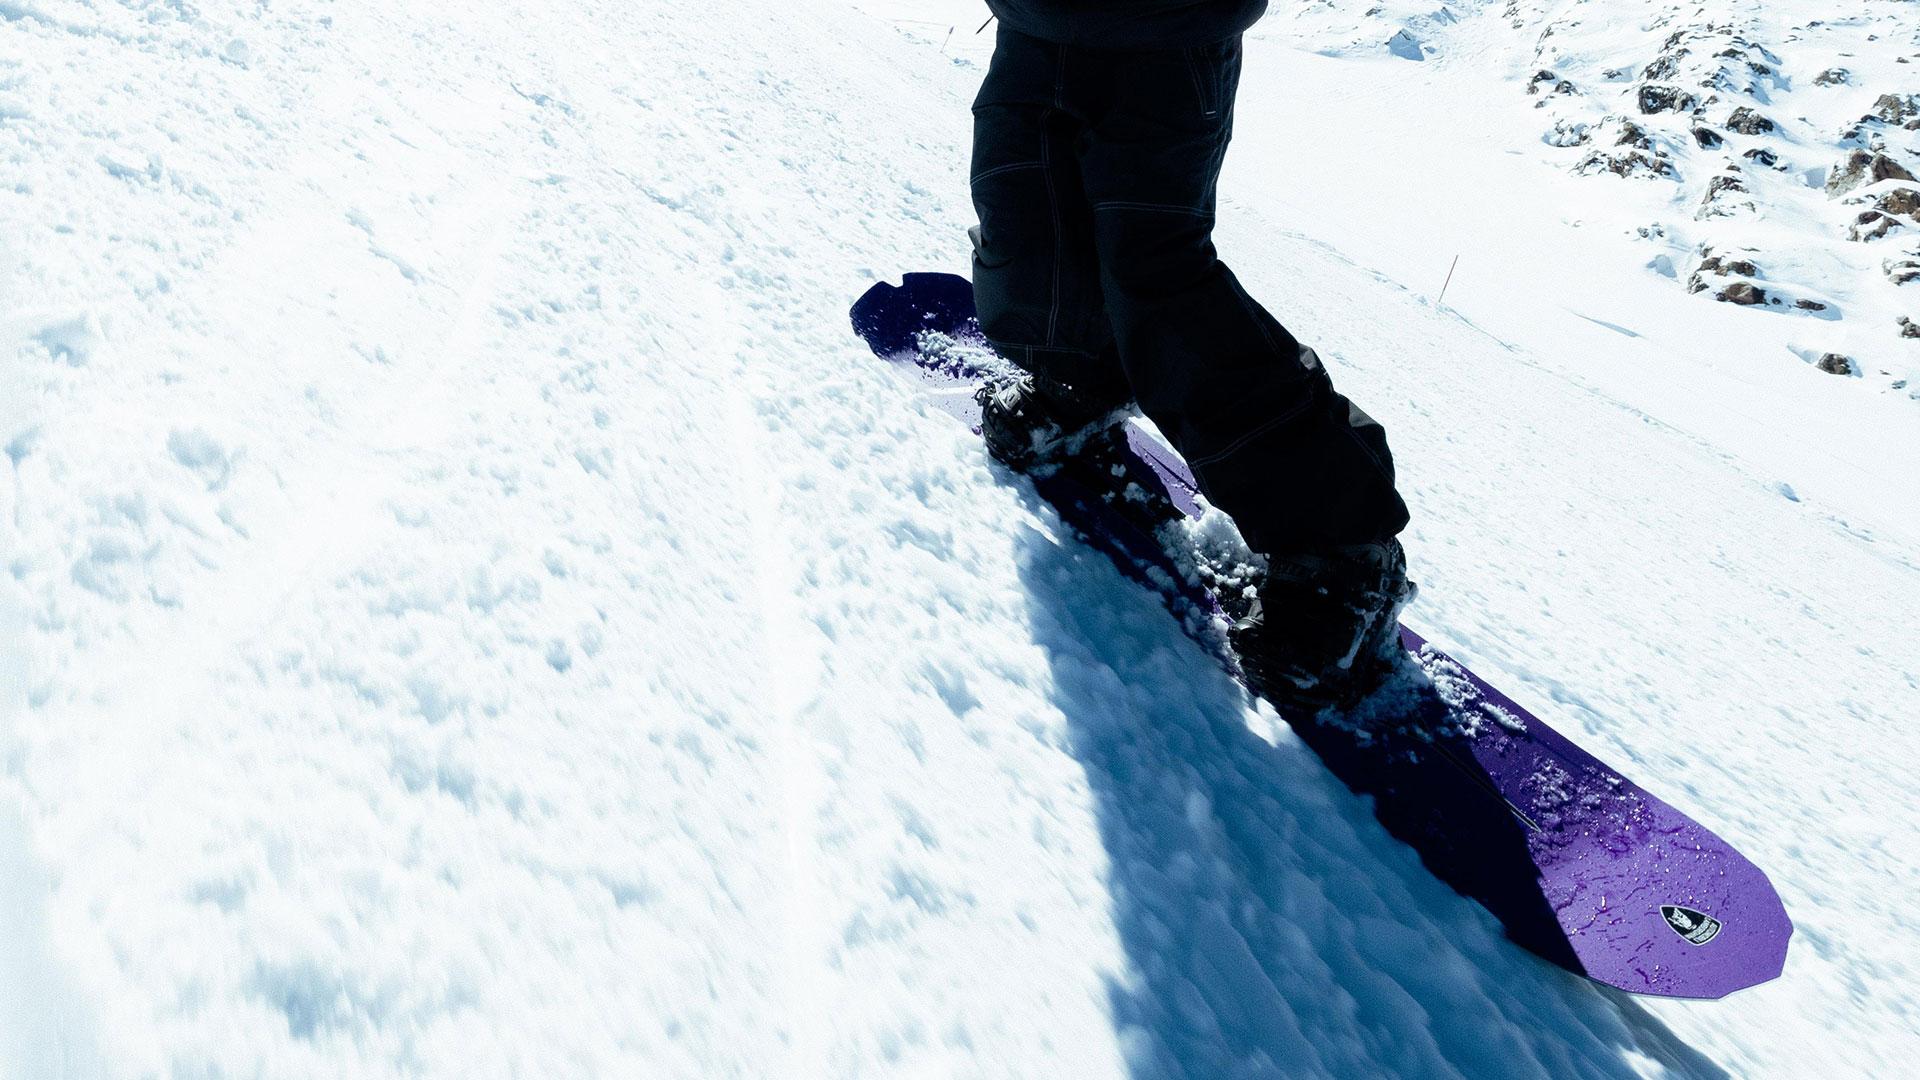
(473, 609)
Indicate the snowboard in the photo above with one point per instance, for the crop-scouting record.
(1581, 865)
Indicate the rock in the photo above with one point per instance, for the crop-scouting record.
(1640, 158)
(1744, 293)
(1632, 134)
(1862, 167)
(1863, 134)
(1631, 163)
(1541, 77)
(1567, 133)
(1717, 201)
(1908, 328)
(1894, 108)
(1665, 66)
(1886, 211)
(1834, 363)
(1871, 225)
(1904, 200)
(1760, 155)
(1563, 88)
(1727, 181)
(1719, 266)
(1405, 46)
(1707, 138)
(1809, 305)
(1659, 99)
(1834, 76)
(1902, 270)
(1748, 122)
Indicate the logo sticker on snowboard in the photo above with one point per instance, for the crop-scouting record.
(1696, 926)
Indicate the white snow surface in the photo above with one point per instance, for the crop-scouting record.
(471, 608)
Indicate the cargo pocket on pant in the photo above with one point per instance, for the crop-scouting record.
(1205, 76)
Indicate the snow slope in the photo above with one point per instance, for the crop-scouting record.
(474, 609)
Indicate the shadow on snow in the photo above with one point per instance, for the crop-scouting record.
(1271, 925)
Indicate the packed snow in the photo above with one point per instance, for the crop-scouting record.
(472, 608)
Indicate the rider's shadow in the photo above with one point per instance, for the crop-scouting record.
(1271, 926)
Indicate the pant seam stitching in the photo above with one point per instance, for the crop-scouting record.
(1169, 208)
(998, 169)
(1240, 443)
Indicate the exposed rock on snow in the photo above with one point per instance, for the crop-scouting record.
(1837, 364)
(1888, 209)
(1716, 264)
(1748, 121)
(1897, 109)
(1738, 291)
(1811, 109)
(1862, 167)
(1633, 152)
(1721, 199)
(1568, 133)
(1654, 98)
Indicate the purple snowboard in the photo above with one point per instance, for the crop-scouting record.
(1581, 865)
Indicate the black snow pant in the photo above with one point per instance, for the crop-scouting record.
(1094, 175)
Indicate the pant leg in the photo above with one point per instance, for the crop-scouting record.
(1252, 410)
(1036, 277)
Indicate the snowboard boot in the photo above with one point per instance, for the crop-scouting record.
(1323, 629)
(1031, 424)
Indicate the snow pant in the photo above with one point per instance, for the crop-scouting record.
(1093, 176)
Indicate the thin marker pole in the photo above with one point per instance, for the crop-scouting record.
(1444, 284)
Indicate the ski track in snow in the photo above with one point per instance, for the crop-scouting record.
(481, 613)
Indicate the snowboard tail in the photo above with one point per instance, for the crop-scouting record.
(1581, 865)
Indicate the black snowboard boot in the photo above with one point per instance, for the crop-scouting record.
(1031, 424)
(1324, 628)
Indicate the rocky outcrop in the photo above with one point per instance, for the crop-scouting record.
(1897, 109)
(1725, 195)
(1631, 153)
(1714, 269)
(1549, 85)
(1721, 265)
(1862, 167)
(1748, 121)
(1710, 104)
(1885, 211)
(1655, 99)
(1834, 363)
